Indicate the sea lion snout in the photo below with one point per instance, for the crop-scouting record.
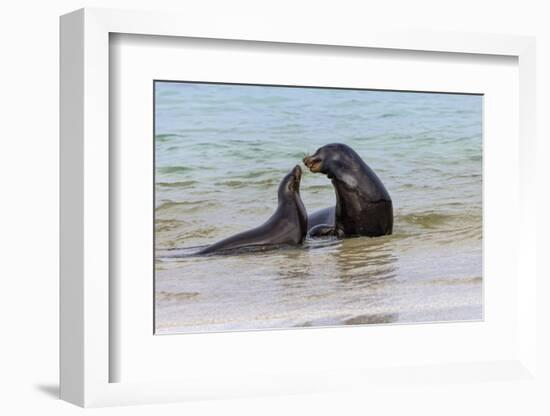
(313, 163)
(295, 178)
(297, 171)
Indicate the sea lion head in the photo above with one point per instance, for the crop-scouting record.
(333, 160)
(290, 185)
(348, 171)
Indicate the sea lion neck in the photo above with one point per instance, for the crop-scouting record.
(360, 180)
(281, 191)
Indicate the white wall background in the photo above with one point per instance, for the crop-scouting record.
(29, 205)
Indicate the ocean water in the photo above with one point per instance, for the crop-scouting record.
(220, 153)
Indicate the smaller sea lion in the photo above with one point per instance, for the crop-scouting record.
(287, 226)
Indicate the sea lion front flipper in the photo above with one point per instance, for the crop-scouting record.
(324, 230)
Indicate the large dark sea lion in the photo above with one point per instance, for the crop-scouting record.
(287, 226)
(363, 205)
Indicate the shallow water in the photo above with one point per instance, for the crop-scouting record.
(221, 151)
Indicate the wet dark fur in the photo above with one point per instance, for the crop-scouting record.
(363, 205)
(287, 226)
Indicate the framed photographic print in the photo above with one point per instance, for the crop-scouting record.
(256, 212)
(228, 158)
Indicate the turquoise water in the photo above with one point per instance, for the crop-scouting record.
(221, 151)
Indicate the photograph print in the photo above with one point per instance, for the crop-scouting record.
(282, 207)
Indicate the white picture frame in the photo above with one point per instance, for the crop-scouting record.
(85, 214)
